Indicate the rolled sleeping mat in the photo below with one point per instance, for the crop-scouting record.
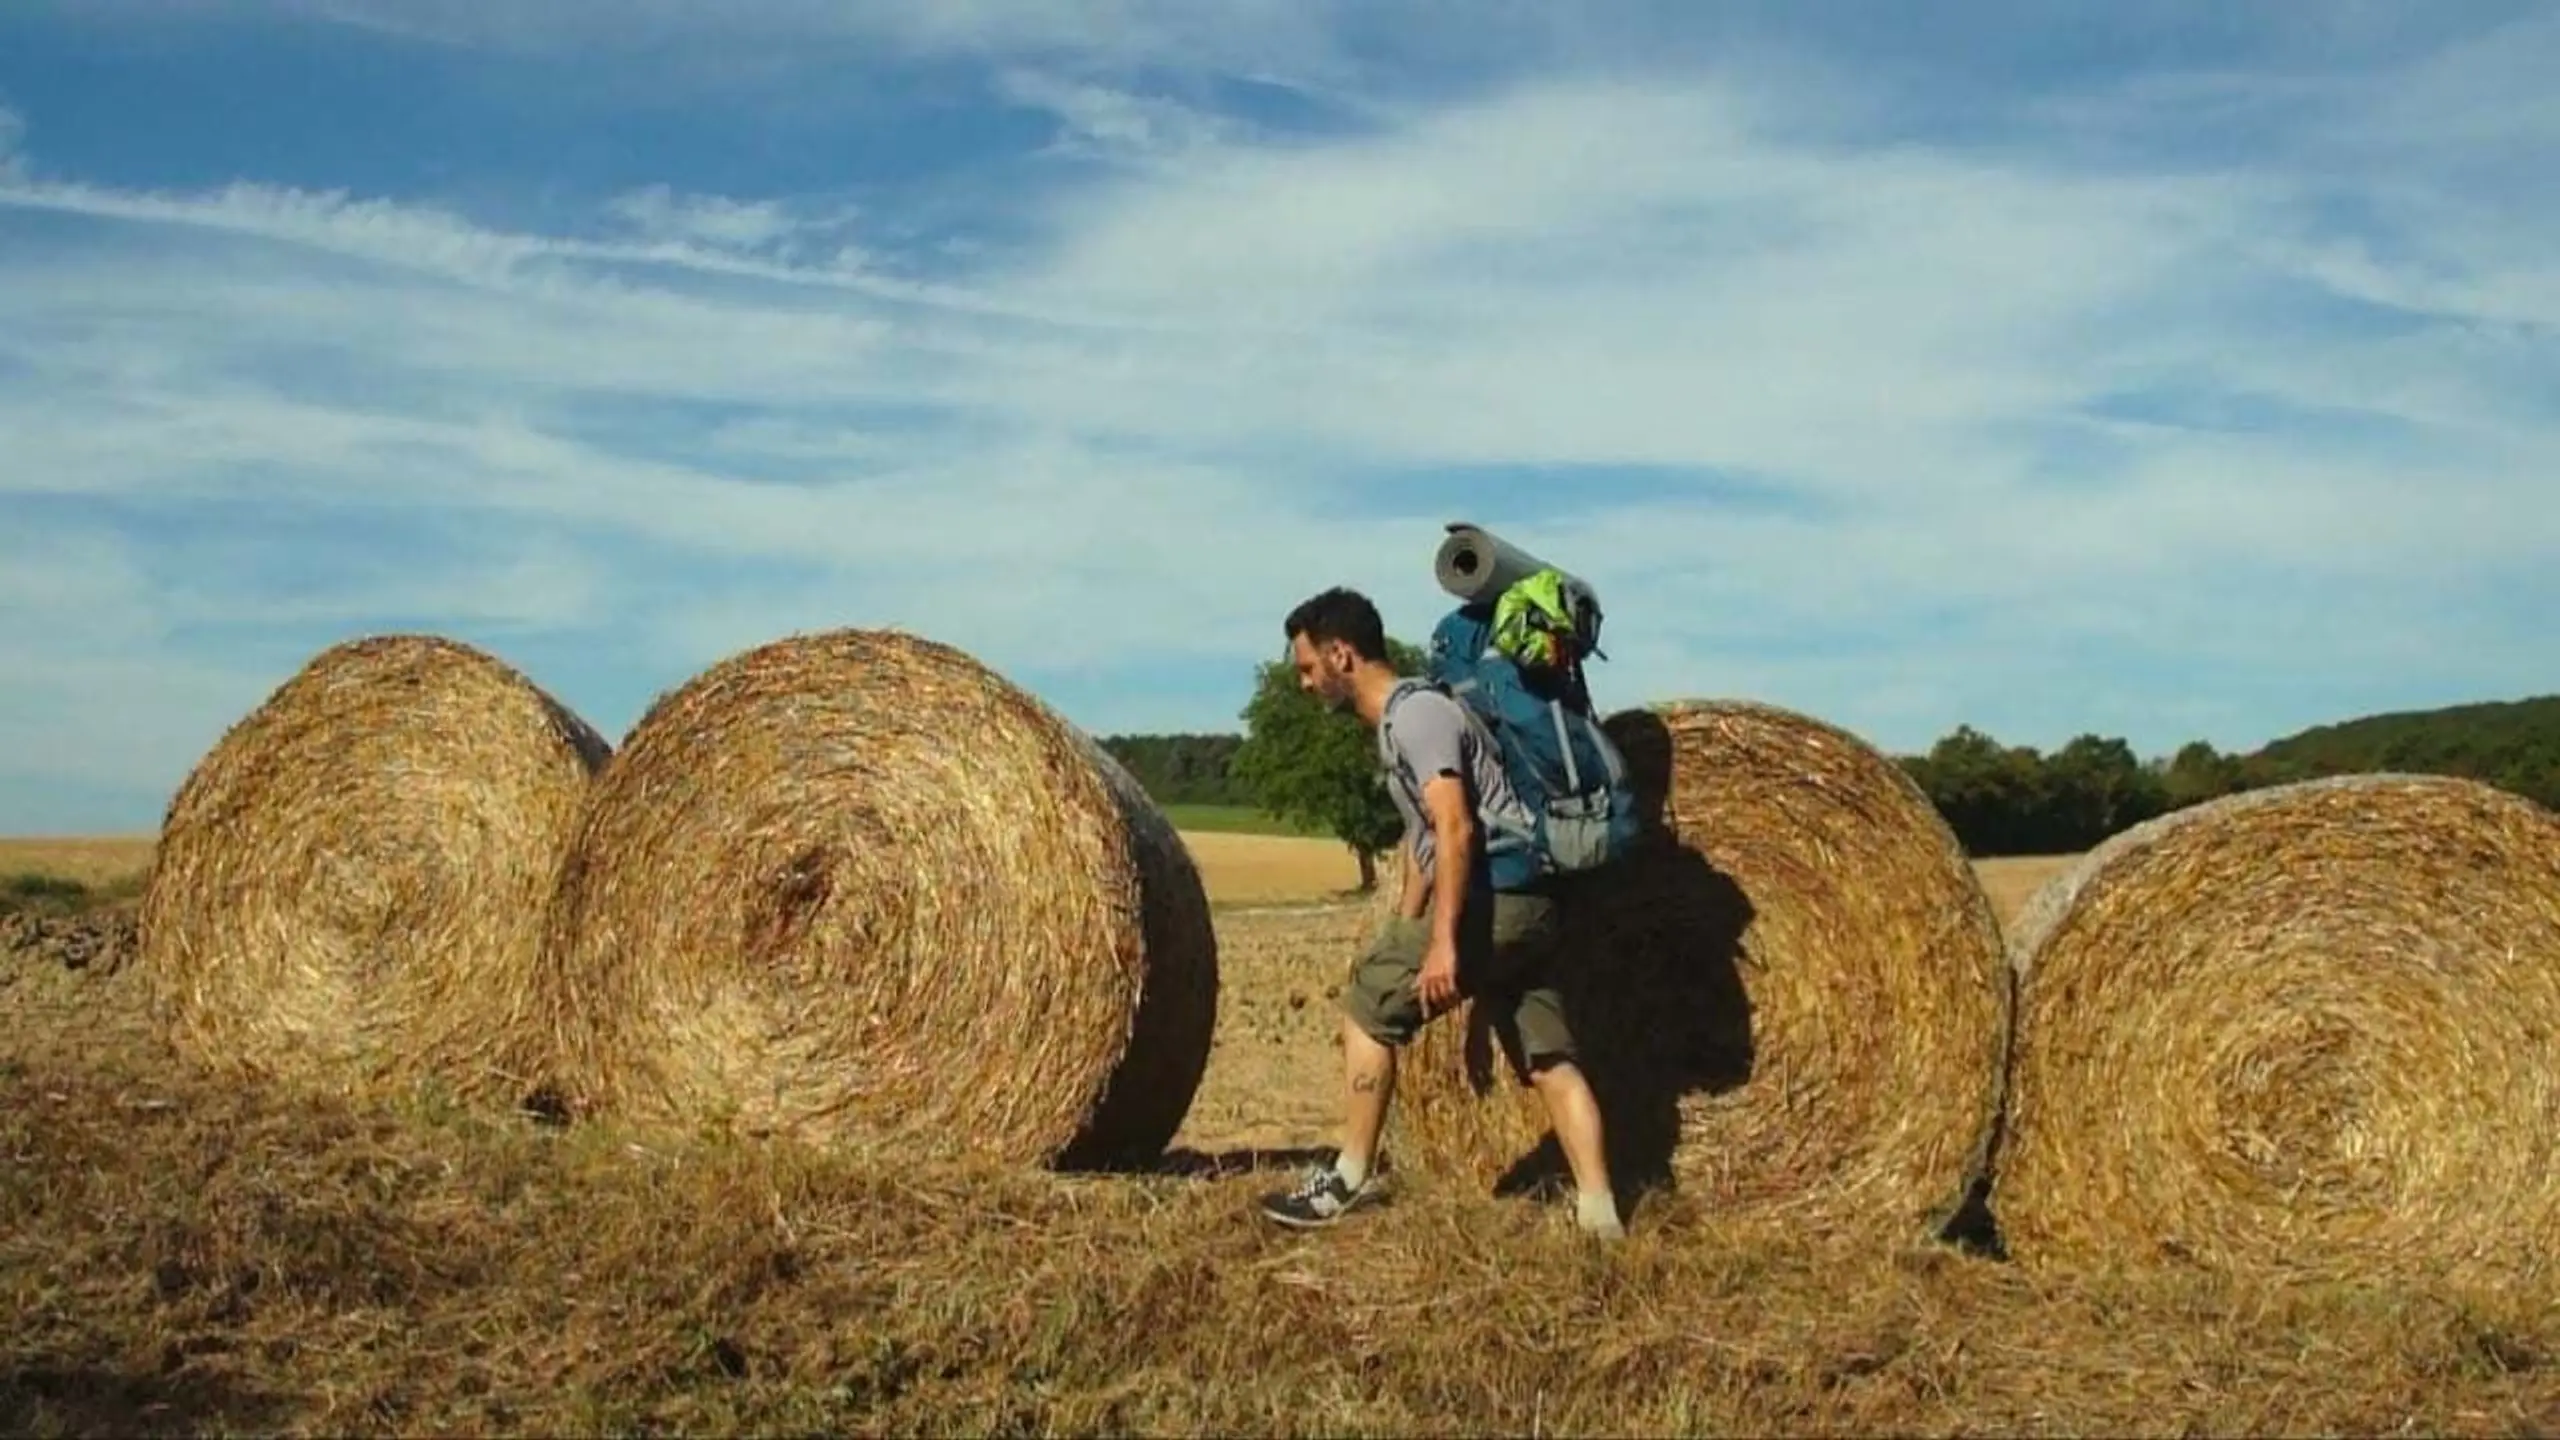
(1476, 566)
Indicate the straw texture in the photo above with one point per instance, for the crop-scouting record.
(857, 888)
(348, 888)
(1793, 999)
(2305, 1028)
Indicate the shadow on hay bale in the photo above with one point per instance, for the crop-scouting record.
(348, 888)
(1792, 997)
(1662, 1018)
(856, 888)
(2304, 1029)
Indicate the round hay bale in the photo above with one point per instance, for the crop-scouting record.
(348, 888)
(2302, 1028)
(1792, 999)
(854, 887)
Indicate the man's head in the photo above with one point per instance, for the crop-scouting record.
(1332, 637)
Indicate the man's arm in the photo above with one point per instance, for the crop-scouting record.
(1432, 743)
(1453, 824)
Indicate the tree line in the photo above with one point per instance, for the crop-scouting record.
(2013, 800)
(1298, 762)
(1197, 769)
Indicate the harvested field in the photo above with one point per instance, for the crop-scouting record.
(2305, 1029)
(2012, 880)
(1272, 869)
(100, 862)
(182, 1256)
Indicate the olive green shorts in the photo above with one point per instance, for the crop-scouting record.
(1506, 954)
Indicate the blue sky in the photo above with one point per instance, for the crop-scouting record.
(2170, 370)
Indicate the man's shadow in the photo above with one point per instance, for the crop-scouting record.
(1650, 973)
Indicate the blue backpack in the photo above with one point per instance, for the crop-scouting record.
(1578, 811)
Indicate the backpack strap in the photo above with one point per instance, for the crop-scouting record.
(1387, 752)
(1608, 748)
(1564, 746)
(1506, 834)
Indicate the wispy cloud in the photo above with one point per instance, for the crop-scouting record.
(658, 216)
(1101, 122)
(2061, 421)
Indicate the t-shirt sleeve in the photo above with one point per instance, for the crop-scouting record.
(1432, 735)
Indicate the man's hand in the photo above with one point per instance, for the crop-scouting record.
(1439, 983)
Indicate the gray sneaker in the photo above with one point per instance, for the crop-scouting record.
(1320, 1199)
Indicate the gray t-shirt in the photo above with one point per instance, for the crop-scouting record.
(1427, 734)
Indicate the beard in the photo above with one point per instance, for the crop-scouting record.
(1333, 687)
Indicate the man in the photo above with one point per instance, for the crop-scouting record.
(1455, 936)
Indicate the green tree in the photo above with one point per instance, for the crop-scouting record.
(2199, 773)
(1989, 793)
(1180, 769)
(2094, 787)
(1309, 765)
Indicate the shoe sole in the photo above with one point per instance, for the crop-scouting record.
(1319, 1222)
(1296, 1222)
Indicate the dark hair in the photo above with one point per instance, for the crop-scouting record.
(1340, 614)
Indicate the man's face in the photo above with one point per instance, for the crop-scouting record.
(1324, 671)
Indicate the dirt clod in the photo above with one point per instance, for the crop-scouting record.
(101, 941)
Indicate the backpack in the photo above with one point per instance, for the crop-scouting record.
(1515, 667)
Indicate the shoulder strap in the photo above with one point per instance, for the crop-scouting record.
(1386, 721)
(1564, 748)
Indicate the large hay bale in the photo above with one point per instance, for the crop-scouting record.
(1792, 999)
(857, 888)
(2303, 1028)
(348, 888)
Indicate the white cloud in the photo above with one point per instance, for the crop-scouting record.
(1128, 441)
(433, 243)
(1106, 123)
(1606, 274)
(657, 214)
(1277, 37)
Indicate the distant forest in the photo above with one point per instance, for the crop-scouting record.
(2015, 800)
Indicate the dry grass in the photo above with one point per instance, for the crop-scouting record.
(858, 888)
(2013, 880)
(1796, 1001)
(184, 1256)
(2301, 1030)
(348, 886)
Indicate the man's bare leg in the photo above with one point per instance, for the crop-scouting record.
(1575, 1113)
(1369, 1082)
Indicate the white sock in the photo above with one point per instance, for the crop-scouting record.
(1354, 1172)
(1597, 1211)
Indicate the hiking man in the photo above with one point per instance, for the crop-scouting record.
(1455, 936)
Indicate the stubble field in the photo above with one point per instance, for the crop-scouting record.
(180, 1256)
